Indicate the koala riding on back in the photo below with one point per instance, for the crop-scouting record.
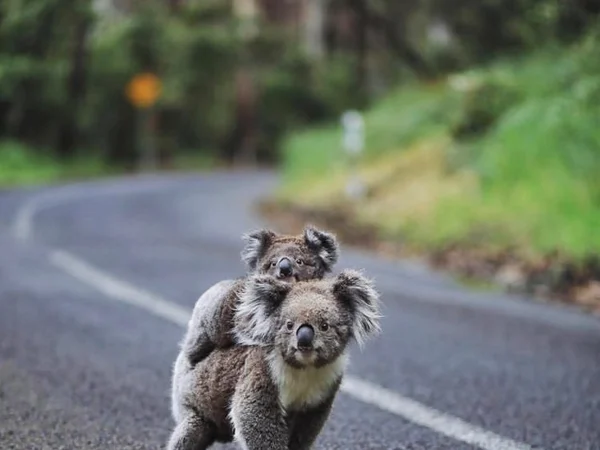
(276, 390)
(307, 256)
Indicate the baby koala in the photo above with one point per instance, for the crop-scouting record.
(309, 255)
(275, 393)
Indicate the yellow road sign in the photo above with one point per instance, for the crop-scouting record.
(143, 89)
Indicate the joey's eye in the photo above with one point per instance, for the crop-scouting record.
(324, 326)
(299, 262)
(289, 324)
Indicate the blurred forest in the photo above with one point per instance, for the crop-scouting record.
(237, 75)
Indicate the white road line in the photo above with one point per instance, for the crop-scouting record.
(361, 390)
(23, 223)
(423, 415)
(22, 226)
(119, 290)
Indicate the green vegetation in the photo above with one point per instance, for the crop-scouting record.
(233, 84)
(64, 69)
(21, 165)
(502, 156)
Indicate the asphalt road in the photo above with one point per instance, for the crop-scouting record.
(96, 280)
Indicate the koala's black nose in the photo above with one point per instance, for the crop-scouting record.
(285, 267)
(305, 335)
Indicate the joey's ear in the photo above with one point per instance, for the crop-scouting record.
(324, 244)
(255, 314)
(257, 243)
(358, 293)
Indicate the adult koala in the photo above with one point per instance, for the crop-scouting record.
(309, 255)
(276, 391)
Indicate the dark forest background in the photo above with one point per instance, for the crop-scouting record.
(237, 75)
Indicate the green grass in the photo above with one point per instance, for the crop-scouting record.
(398, 120)
(520, 166)
(194, 160)
(311, 153)
(20, 165)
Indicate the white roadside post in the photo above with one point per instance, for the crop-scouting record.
(353, 142)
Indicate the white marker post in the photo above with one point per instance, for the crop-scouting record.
(353, 142)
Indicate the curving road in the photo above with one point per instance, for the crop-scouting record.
(97, 279)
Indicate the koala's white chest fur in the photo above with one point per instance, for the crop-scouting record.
(305, 387)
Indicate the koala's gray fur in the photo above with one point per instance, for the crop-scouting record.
(272, 394)
(311, 254)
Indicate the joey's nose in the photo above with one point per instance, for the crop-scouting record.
(305, 335)
(285, 267)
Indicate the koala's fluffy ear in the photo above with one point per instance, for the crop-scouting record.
(324, 244)
(257, 243)
(359, 294)
(254, 317)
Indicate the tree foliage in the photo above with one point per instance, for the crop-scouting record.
(64, 68)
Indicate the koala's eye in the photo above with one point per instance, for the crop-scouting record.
(299, 262)
(289, 324)
(324, 326)
(273, 264)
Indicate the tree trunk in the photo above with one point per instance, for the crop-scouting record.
(241, 147)
(315, 12)
(174, 5)
(67, 138)
(362, 46)
(246, 127)
(399, 45)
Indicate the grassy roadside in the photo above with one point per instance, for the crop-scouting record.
(492, 173)
(20, 166)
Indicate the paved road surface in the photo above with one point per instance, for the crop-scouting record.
(96, 280)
